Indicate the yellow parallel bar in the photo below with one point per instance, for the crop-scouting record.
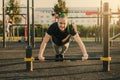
(106, 58)
(29, 59)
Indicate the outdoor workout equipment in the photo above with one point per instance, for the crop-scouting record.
(116, 36)
(29, 59)
(106, 46)
(69, 58)
(28, 23)
(25, 33)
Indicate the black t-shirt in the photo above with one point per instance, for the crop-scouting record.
(58, 36)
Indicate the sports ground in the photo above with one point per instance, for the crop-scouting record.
(13, 67)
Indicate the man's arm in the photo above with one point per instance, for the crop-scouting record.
(81, 45)
(43, 46)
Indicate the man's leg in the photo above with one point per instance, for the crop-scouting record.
(56, 50)
(60, 50)
(64, 48)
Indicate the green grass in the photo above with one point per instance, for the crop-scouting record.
(19, 38)
(40, 38)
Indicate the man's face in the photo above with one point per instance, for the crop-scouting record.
(62, 23)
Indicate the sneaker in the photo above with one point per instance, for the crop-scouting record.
(57, 58)
(61, 57)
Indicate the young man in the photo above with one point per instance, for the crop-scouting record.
(60, 32)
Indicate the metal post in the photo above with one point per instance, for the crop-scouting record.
(33, 29)
(106, 44)
(97, 27)
(29, 64)
(28, 24)
(101, 26)
(25, 29)
(73, 58)
(4, 28)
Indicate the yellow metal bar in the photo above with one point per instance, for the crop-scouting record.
(29, 59)
(106, 58)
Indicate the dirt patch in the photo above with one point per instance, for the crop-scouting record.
(12, 66)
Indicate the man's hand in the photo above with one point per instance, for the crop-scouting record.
(41, 58)
(85, 57)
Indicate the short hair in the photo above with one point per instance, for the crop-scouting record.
(62, 15)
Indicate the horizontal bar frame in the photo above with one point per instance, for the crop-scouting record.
(69, 58)
(73, 58)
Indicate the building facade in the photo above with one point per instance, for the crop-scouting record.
(79, 15)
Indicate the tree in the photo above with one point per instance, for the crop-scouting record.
(118, 22)
(60, 7)
(13, 10)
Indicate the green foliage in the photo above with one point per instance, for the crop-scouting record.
(13, 8)
(38, 31)
(21, 31)
(1, 31)
(114, 30)
(1, 28)
(60, 7)
(0, 23)
(118, 22)
(86, 31)
(41, 30)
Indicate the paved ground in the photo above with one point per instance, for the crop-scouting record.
(12, 66)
